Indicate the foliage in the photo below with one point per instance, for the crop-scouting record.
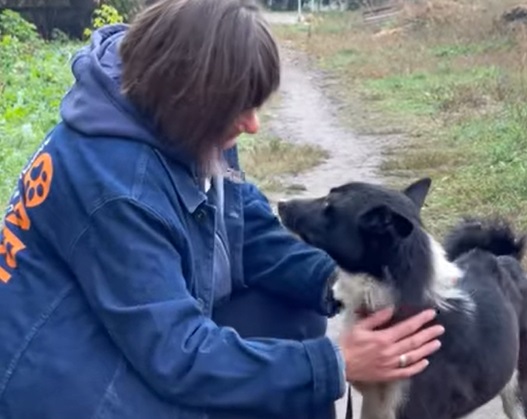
(102, 16)
(126, 8)
(13, 25)
(59, 36)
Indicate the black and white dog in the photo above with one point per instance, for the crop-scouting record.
(475, 281)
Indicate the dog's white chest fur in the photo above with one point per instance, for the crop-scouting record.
(360, 291)
(380, 400)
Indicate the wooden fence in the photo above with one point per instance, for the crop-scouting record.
(378, 13)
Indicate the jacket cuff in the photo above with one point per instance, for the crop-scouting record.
(342, 367)
(327, 370)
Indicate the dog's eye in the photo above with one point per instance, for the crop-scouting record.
(328, 208)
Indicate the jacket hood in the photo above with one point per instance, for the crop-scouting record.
(94, 106)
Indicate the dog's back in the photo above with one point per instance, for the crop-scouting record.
(498, 238)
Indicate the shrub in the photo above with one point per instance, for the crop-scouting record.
(126, 8)
(12, 24)
(59, 36)
(104, 15)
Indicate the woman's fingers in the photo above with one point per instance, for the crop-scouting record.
(400, 373)
(409, 326)
(416, 355)
(415, 341)
(374, 355)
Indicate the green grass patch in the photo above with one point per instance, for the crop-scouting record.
(467, 49)
(343, 58)
(33, 78)
(425, 93)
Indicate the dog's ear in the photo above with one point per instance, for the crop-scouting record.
(381, 220)
(418, 190)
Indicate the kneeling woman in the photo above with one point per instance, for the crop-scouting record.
(131, 245)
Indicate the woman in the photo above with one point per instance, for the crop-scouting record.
(132, 225)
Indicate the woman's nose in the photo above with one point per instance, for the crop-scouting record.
(250, 123)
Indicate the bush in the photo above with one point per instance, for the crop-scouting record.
(104, 15)
(13, 25)
(59, 36)
(126, 8)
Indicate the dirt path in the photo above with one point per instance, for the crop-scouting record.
(306, 114)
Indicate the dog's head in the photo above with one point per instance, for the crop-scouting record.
(357, 223)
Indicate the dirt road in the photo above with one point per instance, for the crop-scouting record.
(306, 114)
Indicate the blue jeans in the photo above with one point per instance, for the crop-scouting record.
(255, 313)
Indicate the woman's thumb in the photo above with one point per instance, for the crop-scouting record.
(377, 319)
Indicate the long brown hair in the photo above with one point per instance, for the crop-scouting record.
(195, 65)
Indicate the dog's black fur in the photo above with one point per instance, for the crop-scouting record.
(497, 237)
(369, 229)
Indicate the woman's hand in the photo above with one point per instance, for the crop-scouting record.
(389, 354)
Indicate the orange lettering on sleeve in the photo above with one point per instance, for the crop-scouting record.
(10, 246)
(37, 185)
(4, 275)
(18, 216)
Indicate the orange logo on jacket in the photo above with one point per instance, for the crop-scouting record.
(36, 186)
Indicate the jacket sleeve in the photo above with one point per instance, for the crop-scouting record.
(276, 260)
(128, 265)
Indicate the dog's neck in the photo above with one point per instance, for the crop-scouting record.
(420, 272)
(417, 275)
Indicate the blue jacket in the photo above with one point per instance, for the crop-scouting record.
(111, 259)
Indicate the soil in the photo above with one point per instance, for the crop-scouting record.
(307, 113)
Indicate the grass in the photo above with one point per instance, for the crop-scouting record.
(267, 159)
(33, 78)
(35, 75)
(452, 77)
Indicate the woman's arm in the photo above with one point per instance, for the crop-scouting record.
(130, 272)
